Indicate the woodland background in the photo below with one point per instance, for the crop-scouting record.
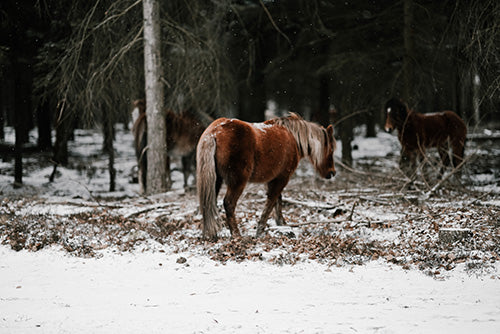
(363, 252)
(67, 65)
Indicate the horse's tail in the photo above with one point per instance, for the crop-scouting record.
(206, 178)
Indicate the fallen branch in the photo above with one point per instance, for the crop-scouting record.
(314, 222)
(150, 208)
(309, 204)
(87, 204)
(444, 179)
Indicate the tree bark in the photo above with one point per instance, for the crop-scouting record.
(346, 133)
(323, 112)
(44, 126)
(108, 129)
(408, 63)
(370, 124)
(2, 113)
(22, 115)
(157, 132)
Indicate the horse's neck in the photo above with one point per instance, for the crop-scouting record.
(139, 124)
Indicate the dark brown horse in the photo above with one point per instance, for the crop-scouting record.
(417, 132)
(183, 132)
(237, 152)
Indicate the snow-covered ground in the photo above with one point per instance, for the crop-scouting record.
(165, 287)
(149, 292)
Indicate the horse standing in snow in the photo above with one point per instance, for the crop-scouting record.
(183, 132)
(237, 152)
(417, 132)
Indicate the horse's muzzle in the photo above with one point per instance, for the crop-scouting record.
(330, 175)
(388, 130)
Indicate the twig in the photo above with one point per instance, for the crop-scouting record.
(440, 183)
(370, 199)
(274, 23)
(352, 210)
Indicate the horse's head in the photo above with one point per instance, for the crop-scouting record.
(395, 114)
(141, 105)
(326, 168)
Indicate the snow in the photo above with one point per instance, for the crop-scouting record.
(261, 126)
(149, 292)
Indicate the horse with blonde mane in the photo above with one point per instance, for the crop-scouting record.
(235, 152)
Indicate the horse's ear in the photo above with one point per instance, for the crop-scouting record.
(329, 130)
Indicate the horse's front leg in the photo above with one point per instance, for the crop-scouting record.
(232, 195)
(407, 163)
(274, 189)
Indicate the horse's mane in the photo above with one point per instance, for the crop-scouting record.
(311, 138)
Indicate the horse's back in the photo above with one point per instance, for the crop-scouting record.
(436, 128)
(456, 126)
(258, 151)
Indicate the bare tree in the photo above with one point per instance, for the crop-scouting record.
(157, 132)
(409, 47)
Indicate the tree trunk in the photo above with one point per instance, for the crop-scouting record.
(157, 132)
(408, 63)
(323, 112)
(346, 134)
(370, 124)
(252, 98)
(64, 125)
(22, 115)
(476, 83)
(63, 129)
(2, 113)
(108, 130)
(44, 128)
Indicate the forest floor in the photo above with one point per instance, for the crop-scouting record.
(367, 214)
(363, 214)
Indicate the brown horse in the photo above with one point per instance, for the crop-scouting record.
(183, 132)
(237, 152)
(417, 132)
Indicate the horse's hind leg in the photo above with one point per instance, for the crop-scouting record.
(233, 193)
(458, 147)
(187, 163)
(274, 189)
